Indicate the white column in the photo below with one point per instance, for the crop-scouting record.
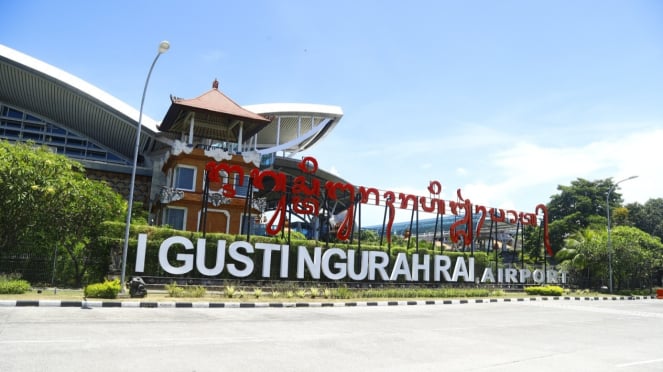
(299, 126)
(278, 133)
(191, 125)
(239, 138)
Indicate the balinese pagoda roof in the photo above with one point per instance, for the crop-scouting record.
(216, 116)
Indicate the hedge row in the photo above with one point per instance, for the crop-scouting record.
(544, 290)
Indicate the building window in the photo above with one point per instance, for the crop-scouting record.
(12, 113)
(245, 223)
(185, 178)
(175, 218)
(243, 189)
(16, 125)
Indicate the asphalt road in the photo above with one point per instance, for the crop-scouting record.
(516, 336)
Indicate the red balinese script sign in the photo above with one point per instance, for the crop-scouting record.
(306, 192)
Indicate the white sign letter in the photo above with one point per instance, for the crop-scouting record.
(267, 256)
(313, 264)
(186, 258)
(487, 275)
(236, 255)
(220, 258)
(340, 267)
(285, 256)
(424, 266)
(351, 266)
(461, 270)
(439, 268)
(140, 253)
(524, 275)
(538, 276)
(377, 261)
(401, 267)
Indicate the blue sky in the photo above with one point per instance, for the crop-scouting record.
(503, 99)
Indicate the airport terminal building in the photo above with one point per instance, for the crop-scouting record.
(48, 106)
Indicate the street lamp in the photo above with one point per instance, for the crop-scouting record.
(163, 48)
(607, 203)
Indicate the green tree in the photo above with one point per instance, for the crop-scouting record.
(533, 243)
(581, 205)
(620, 217)
(584, 257)
(647, 217)
(369, 236)
(636, 257)
(47, 202)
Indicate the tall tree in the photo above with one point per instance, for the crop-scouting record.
(47, 201)
(580, 205)
(647, 217)
(636, 258)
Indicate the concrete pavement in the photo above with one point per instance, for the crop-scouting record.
(543, 335)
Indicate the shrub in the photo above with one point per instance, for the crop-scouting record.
(196, 291)
(545, 290)
(497, 293)
(230, 291)
(343, 292)
(13, 285)
(257, 292)
(635, 292)
(174, 290)
(107, 289)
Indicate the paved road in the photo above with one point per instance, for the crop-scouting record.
(517, 336)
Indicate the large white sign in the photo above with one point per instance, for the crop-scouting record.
(331, 264)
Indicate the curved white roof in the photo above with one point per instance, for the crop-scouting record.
(304, 108)
(58, 96)
(78, 84)
(295, 127)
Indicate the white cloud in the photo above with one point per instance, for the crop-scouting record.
(514, 174)
(528, 174)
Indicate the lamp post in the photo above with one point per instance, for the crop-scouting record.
(163, 48)
(607, 203)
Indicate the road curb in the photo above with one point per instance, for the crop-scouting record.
(236, 305)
